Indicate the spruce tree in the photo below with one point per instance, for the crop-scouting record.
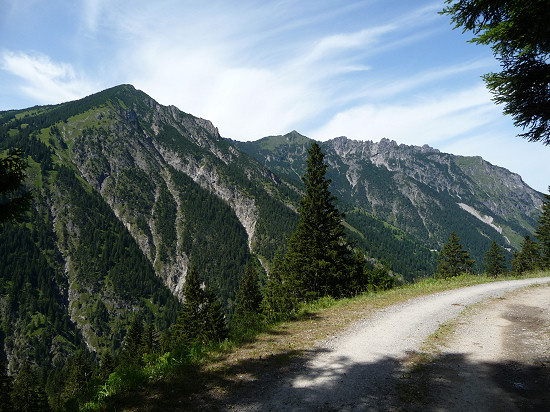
(215, 329)
(201, 319)
(453, 259)
(247, 303)
(542, 232)
(528, 258)
(190, 319)
(13, 203)
(319, 260)
(150, 341)
(132, 345)
(495, 260)
(76, 384)
(5, 388)
(107, 365)
(278, 298)
(27, 395)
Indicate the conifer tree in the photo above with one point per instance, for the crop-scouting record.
(76, 384)
(106, 365)
(319, 258)
(190, 319)
(215, 329)
(13, 203)
(542, 232)
(5, 388)
(201, 319)
(495, 260)
(150, 342)
(248, 301)
(453, 259)
(132, 345)
(27, 395)
(528, 258)
(278, 298)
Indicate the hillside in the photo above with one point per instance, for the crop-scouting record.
(420, 190)
(128, 194)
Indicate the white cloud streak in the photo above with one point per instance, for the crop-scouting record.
(44, 80)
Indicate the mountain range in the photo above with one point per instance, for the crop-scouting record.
(129, 194)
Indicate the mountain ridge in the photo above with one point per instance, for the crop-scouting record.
(130, 193)
(401, 184)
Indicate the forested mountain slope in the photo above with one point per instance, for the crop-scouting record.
(127, 195)
(420, 190)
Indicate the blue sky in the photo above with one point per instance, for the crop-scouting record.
(363, 69)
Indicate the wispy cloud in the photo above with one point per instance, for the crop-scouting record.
(45, 80)
(429, 119)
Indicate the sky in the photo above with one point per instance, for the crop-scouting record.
(365, 69)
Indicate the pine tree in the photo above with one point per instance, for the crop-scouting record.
(107, 365)
(150, 342)
(132, 345)
(495, 260)
(278, 299)
(453, 259)
(248, 301)
(27, 395)
(201, 319)
(5, 388)
(542, 232)
(528, 258)
(215, 329)
(319, 258)
(76, 384)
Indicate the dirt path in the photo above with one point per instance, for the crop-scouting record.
(363, 369)
(497, 358)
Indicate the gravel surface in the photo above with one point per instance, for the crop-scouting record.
(363, 368)
(496, 359)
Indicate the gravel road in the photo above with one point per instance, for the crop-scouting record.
(363, 368)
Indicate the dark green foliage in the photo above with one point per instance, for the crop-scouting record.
(453, 259)
(406, 256)
(213, 237)
(320, 261)
(27, 394)
(76, 385)
(248, 302)
(495, 260)
(215, 330)
(165, 212)
(518, 33)
(201, 320)
(278, 298)
(528, 258)
(13, 201)
(107, 365)
(132, 347)
(30, 283)
(543, 232)
(5, 388)
(150, 341)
